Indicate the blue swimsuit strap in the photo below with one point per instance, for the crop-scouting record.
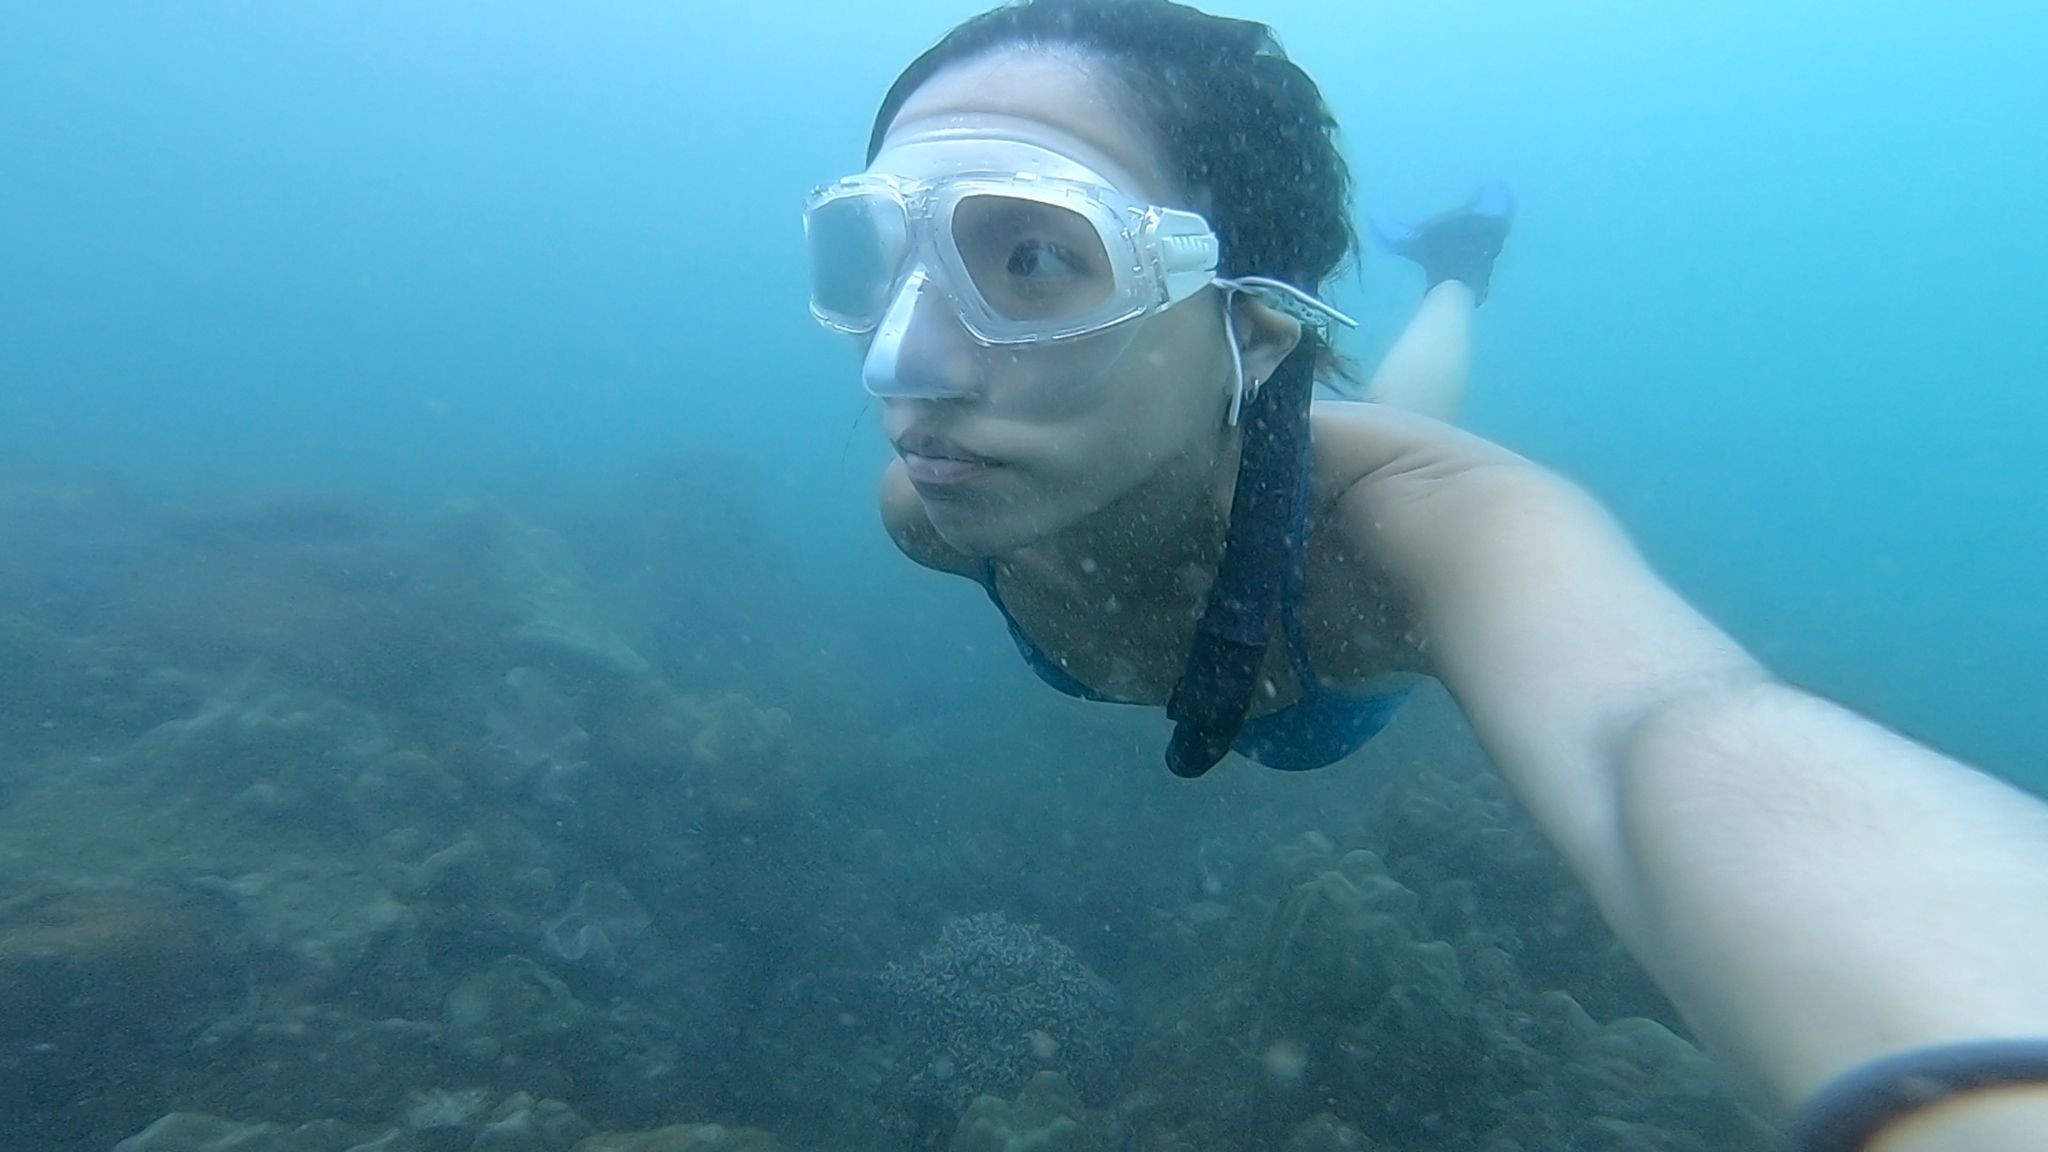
(1049, 670)
(1850, 1112)
(1060, 680)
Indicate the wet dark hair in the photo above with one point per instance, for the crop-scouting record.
(1240, 124)
(1247, 132)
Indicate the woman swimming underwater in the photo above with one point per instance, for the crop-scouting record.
(1082, 268)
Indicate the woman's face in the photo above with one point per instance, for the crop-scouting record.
(1027, 441)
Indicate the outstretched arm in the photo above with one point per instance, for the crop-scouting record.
(1812, 890)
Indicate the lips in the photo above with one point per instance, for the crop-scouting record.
(934, 461)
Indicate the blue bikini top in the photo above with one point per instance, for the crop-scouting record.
(1321, 728)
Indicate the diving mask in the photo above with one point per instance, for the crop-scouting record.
(1025, 243)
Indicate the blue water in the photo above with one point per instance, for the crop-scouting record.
(1772, 295)
(533, 273)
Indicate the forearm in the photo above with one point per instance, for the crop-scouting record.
(1816, 891)
(1812, 890)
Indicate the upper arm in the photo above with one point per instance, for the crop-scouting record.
(904, 517)
(1532, 607)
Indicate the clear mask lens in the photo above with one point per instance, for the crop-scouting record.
(1044, 261)
(1032, 262)
(857, 245)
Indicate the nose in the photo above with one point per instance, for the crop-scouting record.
(920, 350)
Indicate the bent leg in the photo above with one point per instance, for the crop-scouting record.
(1426, 369)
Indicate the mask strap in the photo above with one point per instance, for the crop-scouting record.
(1282, 297)
(1243, 387)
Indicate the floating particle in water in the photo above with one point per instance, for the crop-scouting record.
(1042, 1044)
(1286, 1062)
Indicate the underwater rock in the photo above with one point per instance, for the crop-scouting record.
(535, 722)
(473, 898)
(310, 1060)
(683, 1138)
(275, 761)
(1326, 1133)
(405, 789)
(533, 725)
(571, 636)
(1046, 1117)
(440, 1110)
(660, 735)
(194, 1132)
(1349, 1024)
(600, 922)
(71, 694)
(90, 966)
(512, 1134)
(463, 871)
(733, 730)
(1490, 879)
(538, 590)
(98, 981)
(431, 1121)
(340, 926)
(1352, 991)
(514, 1011)
(522, 1124)
(1343, 944)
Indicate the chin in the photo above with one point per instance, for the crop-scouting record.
(977, 533)
(990, 528)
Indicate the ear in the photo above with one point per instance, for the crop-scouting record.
(1265, 335)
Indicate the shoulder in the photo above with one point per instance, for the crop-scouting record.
(904, 518)
(1406, 509)
(1361, 440)
(1383, 471)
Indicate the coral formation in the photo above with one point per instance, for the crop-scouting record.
(434, 1120)
(683, 1138)
(991, 1002)
(599, 923)
(1047, 1116)
(1349, 997)
(499, 833)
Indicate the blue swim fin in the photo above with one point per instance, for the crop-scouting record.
(1460, 244)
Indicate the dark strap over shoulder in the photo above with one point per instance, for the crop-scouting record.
(1854, 1109)
(1214, 692)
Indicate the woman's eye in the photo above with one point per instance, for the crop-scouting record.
(1040, 259)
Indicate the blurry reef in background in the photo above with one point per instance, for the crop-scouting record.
(572, 823)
